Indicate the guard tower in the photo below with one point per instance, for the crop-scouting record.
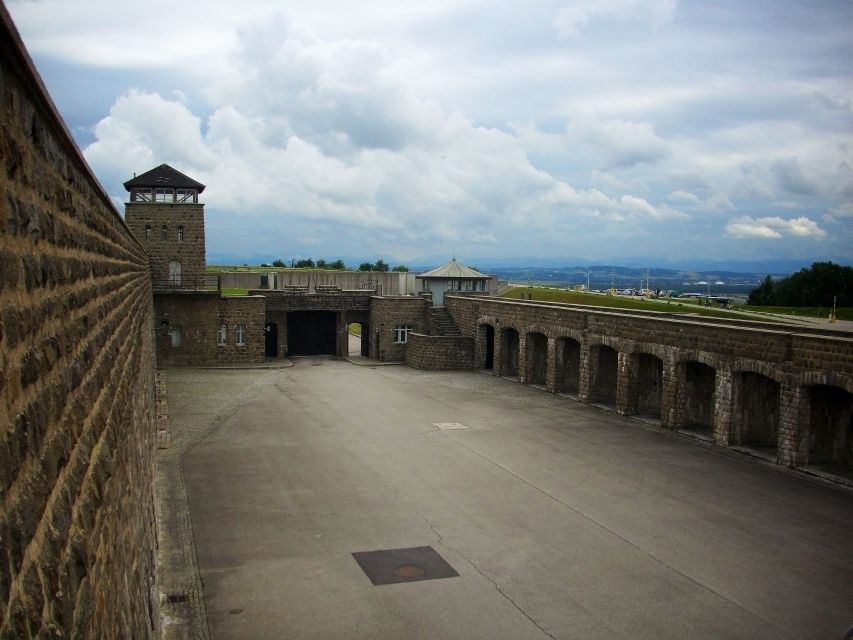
(165, 215)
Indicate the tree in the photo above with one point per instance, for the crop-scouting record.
(305, 263)
(278, 263)
(322, 264)
(338, 265)
(815, 286)
(763, 295)
(365, 266)
(401, 268)
(380, 266)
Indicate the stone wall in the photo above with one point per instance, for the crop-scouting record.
(767, 385)
(77, 532)
(384, 283)
(197, 317)
(436, 353)
(386, 315)
(156, 225)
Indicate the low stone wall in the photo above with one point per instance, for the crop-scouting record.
(436, 353)
(77, 535)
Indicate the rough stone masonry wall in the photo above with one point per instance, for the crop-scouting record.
(165, 218)
(198, 315)
(386, 314)
(435, 353)
(76, 385)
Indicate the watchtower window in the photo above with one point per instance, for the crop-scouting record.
(164, 194)
(164, 232)
(180, 234)
(147, 231)
(186, 195)
(141, 194)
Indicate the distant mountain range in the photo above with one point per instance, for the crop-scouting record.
(775, 267)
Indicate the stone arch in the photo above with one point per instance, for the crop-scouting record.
(756, 407)
(510, 346)
(603, 372)
(827, 378)
(647, 387)
(485, 346)
(568, 364)
(766, 369)
(536, 357)
(696, 395)
(829, 419)
(548, 332)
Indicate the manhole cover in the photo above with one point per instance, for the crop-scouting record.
(392, 566)
(409, 571)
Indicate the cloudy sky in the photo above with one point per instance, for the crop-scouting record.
(595, 129)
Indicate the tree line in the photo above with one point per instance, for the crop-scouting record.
(814, 286)
(335, 265)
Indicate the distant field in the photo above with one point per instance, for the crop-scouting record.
(620, 302)
(844, 313)
(234, 291)
(354, 329)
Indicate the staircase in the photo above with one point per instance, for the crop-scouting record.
(442, 323)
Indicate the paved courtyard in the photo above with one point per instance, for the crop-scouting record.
(561, 520)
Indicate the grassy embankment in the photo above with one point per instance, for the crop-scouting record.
(622, 302)
(844, 313)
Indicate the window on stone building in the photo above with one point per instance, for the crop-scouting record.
(175, 273)
(164, 194)
(185, 195)
(177, 336)
(180, 234)
(401, 333)
(164, 232)
(241, 335)
(147, 231)
(141, 194)
(454, 285)
(469, 285)
(222, 335)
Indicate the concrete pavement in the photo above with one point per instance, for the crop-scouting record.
(562, 520)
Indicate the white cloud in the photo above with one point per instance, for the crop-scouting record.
(620, 144)
(773, 228)
(843, 210)
(576, 15)
(404, 126)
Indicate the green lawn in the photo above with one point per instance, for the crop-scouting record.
(844, 313)
(234, 291)
(354, 329)
(620, 302)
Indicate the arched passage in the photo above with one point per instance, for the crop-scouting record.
(699, 382)
(830, 426)
(537, 358)
(649, 384)
(604, 362)
(358, 342)
(568, 365)
(487, 337)
(756, 410)
(509, 352)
